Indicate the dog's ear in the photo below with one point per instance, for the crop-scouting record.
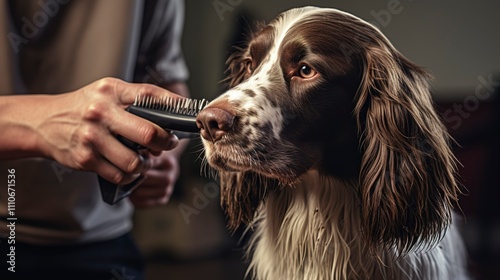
(408, 170)
(236, 68)
(238, 63)
(241, 195)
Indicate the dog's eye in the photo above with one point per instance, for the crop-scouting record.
(306, 72)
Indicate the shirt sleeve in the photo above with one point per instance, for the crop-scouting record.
(160, 59)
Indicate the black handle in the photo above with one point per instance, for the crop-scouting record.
(112, 193)
(166, 120)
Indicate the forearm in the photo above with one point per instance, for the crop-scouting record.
(19, 117)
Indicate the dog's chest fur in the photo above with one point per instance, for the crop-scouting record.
(312, 231)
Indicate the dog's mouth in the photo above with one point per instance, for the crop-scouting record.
(224, 162)
(266, 161)
(228, 157)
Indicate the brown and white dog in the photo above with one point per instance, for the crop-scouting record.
(327, 144)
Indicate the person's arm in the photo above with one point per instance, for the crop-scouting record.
(78, 129)
(19, 119)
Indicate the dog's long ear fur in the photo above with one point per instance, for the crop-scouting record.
(236, 69)
(408, 170)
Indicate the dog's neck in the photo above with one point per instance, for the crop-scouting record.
(310, 226)
(312, 231)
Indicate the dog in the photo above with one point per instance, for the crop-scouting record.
(329, 148)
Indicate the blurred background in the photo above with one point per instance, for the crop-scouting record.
(457, 41)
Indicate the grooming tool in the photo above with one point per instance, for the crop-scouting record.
(177, 115)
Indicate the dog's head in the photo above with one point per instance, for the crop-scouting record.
(322, 89)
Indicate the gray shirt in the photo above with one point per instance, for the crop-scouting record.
(61, 46)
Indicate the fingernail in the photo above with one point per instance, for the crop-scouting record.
(173, 142)
(129, 178)
(146, 162)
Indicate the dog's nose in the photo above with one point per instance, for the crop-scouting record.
(214, 123)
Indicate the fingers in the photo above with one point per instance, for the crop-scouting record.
(141, 131)
(127, 92)
(88, 159)
(155, 190)
(132, 127)
(101, 152)
(123, 158)
(155, 152)
(112, 161)
(112, 174)
(159, 185)
(91, 118)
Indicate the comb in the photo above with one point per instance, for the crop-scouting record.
(177, 115)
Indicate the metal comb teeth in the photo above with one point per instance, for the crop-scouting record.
(184, 106)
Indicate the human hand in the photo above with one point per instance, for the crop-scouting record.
(158, 186)
(79, 132)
